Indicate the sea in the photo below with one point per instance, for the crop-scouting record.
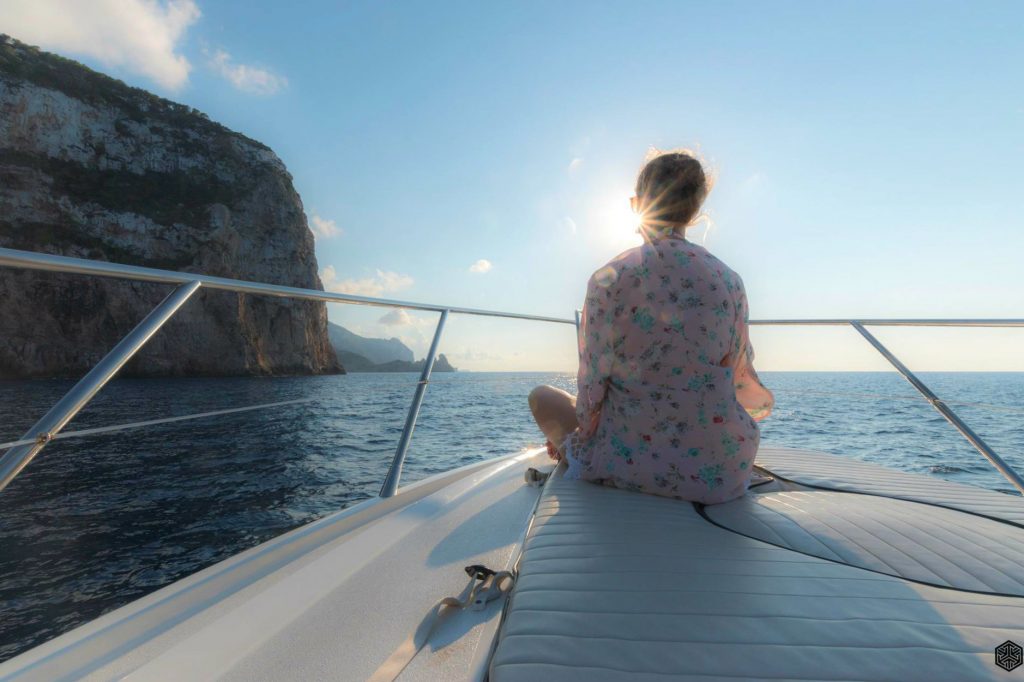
(98, 521)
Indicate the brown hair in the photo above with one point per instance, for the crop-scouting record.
(670, 190)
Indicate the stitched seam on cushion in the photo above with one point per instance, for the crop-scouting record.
(905, 579)
(712, 642)
(852, 511)
(678, 590)
(914, 558)
(793, 523)
(547, 534)
(825, 468)
(766, 548)
(895, 572)
(958, 523)
(687, 574)
(804, 558)
(654, 557)
(917, 493)
(675, 676)
(937, 555)
(801, 595)
(762, 616)
(885, 576)
(992, 545)
(960, 551)
(753, 515)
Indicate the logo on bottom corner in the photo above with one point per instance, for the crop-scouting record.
(1009, 655)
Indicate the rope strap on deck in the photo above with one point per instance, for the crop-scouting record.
(485, 585)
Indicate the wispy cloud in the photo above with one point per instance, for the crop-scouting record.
(383, 282)
(141, 36)
(323, 228)
(396, 318)
(481, 266)
(246, 78)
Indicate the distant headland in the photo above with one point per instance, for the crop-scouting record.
(364, 354)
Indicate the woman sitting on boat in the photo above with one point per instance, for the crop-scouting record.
(668, 396)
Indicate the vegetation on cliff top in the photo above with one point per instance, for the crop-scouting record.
(77, 80)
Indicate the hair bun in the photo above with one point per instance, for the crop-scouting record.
(670, 190)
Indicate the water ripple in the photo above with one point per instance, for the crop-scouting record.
(95, 523)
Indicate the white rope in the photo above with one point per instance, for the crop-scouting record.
(45, 438)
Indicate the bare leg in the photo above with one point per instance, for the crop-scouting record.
(555, 412)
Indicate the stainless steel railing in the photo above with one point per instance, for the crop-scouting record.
(941, 407)
(43, 431)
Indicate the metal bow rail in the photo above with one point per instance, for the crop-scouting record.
(47, 428)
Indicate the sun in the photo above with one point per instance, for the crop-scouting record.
(616, 221)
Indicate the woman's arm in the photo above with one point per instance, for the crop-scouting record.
(596, 355)
(750, 392)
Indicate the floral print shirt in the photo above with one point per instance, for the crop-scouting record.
(668, 396)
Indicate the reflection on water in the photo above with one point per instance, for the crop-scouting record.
(94, 523)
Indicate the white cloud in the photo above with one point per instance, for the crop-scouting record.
(574, 166)
(396, 318)
(323, 228)
(247, 78)
(481, 266)
(142, 36)
(568, 224)
(383, 282)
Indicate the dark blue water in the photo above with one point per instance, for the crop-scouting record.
(94, 523)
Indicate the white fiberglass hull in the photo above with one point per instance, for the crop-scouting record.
(611, 585)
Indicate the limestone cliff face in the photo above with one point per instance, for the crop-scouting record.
(92, 168)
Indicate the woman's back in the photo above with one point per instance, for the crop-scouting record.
(681, 303)
(668, 397)
(663, 334)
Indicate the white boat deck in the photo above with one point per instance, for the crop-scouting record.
(615, 585)
(612, 585)
(329, 601)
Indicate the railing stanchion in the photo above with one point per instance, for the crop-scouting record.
(1005, 469)
(18, 457)
(390, 486)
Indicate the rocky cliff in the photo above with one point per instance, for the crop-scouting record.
(92, 168)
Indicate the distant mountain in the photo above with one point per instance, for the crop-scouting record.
(363, 354)
(440, 365)
(377, 351)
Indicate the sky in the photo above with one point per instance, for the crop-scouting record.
(867, 155)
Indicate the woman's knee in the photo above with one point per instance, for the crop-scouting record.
(548, 398)
(539, 395)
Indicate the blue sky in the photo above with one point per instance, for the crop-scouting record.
(868, 154)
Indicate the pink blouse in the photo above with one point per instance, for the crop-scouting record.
(668, 395)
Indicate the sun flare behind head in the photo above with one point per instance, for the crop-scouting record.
(615, 221)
